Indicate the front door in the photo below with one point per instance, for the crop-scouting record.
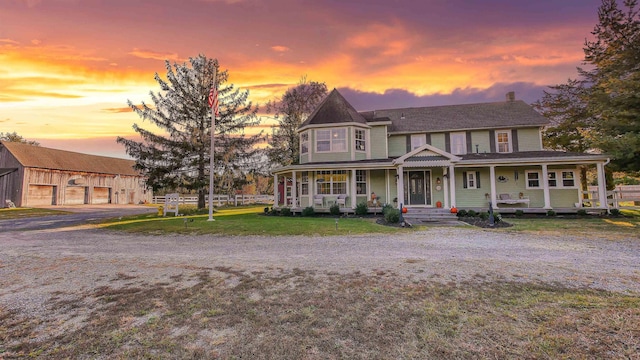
(417, 188)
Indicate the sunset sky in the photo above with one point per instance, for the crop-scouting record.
(68, 67)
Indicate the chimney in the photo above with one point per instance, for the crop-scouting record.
(511, 96)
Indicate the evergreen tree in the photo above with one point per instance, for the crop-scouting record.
(179, 156)
(291, 110)
(614, 75)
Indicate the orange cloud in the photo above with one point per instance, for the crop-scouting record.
(148, 54)
(280, 48)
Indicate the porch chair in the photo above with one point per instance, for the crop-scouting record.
(342, 200)
(318, 200)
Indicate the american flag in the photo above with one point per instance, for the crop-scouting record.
(213, 99)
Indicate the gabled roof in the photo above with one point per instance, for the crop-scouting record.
(46, 158)
(507, 114)
(332, 110)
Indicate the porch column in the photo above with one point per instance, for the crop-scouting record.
(445, 188)
(387, 181)
(492, 174)
(354, 190)
(400, 194)
(275, 189)
(294, 190)
(452, 184)
(545, 186)
(602, 187)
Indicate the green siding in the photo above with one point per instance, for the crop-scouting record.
(480, 138)
(437, 140)
(529, 139)
(472, 197)
(378, 136)
(378, 185)
(397, 145)
(437, 195)
(304, 158)
(563, 198)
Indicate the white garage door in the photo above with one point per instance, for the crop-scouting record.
(40, 195)
(100, 195)
(74, 195)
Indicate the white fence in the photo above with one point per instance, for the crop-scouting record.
(623, 196)
(220, 200)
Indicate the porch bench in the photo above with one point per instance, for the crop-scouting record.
(507, 199)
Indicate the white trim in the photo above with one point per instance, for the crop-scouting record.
(428, 147)
(332, 125)
(463, 135)
(330, 140)
(545, 187)
(509, 141)
(492, 179)
(452, 182)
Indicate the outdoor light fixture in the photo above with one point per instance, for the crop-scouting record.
(438, 181)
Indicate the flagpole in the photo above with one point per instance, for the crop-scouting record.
(211, 162)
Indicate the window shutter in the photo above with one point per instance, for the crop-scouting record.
(447, 142)
(477, 179)
(464, 179)
(469, 144)
(408, 143)
(492, 141)
(514, 140)
(428, 139)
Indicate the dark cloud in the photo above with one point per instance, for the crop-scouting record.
(398, 98)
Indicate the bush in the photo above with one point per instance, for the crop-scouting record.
(614, 212)
(497, 217)
(386, 208)
(551, 213)
(308, 211)
(472, 213)
(484, 215)
(362, 209)
(392, 216)
(462, 213)
(334, 209)
(266, 210)
(582, 212)
(285, 212)
(519, 213)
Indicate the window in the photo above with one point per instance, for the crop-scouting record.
(553, 180)
(331, 182)
(417, 141)
(471, 179)
(533, 179)
(360, 140)
(361, 182)
(304, 143)
(304, 183)
(458, 143)
(503, 140)
(568, 179)
(334, 140)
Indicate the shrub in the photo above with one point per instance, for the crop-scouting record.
(614, 212)
(362, 209)
(334, 209)
(582, 212)
(308, 211)
(387, 207)
(266, 210)
(462, 213)
(484, 215)
(392, 215)
(472, 213)
(497, 217)
(285, 212)
(519, 213)
(551, 213)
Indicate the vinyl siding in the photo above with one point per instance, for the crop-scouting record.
(397, 145)
(472, 197)
(529, 139)
(437, 140)
(378, 145)
(480, 138)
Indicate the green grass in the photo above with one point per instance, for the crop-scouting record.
(247, 221)
(21, 213)
(626, 225)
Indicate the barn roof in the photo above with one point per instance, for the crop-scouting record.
(54, 159)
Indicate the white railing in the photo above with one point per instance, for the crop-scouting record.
(220, 200)
(626, 196)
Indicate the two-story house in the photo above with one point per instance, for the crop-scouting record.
(463, 156)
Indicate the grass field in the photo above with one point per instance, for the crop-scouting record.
(21, 213)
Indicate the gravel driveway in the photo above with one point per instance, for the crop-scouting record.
(37, 265)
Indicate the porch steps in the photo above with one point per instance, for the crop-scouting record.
(426, 215)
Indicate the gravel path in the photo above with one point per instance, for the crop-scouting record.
(37, 265)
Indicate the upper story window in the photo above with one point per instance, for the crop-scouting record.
(458, 143)
(304, 142)
(503, 141)
(360, 140)
(417, 141)
(334, 140)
